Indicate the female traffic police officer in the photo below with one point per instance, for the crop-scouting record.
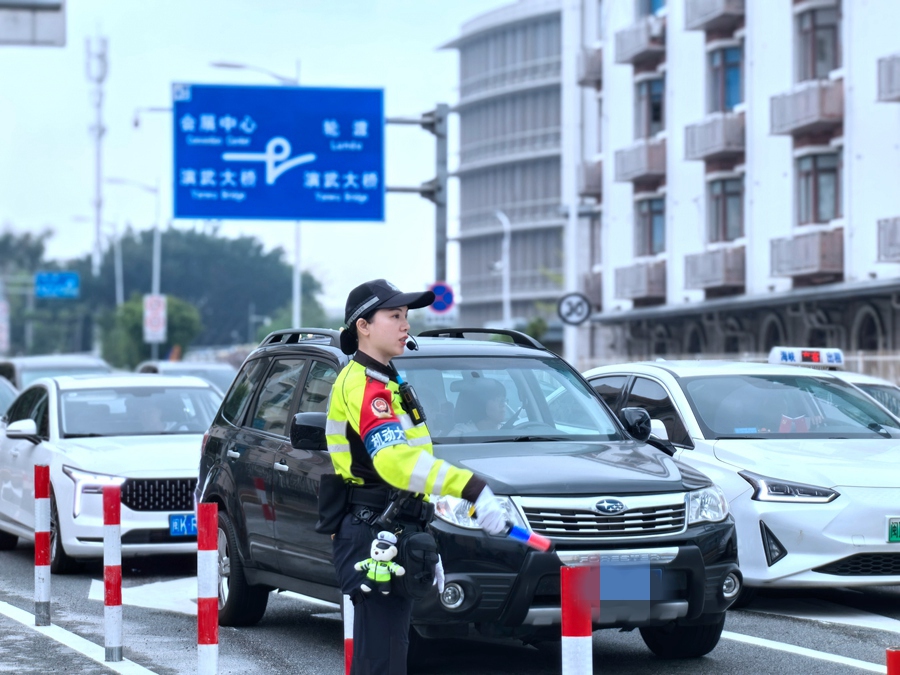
(375, 447)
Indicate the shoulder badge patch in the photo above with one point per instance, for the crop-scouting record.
(381, 408)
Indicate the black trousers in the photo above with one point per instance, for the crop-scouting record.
(380, 622)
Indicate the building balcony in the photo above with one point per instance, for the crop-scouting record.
(889, 78)
(889, 240)
(815, 253)
(590, 180)
(722, 268)
(642, 41)
(712, 14)
(719, 135)
(811, 106)
(643, 281)
(592, 287)
(645, 160)
(590, 68)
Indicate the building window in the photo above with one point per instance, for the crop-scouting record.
(818, 188)
(649, 118)
(651, 227)
(649, 7)
(726, 209)
(819, 49)
(725, 86)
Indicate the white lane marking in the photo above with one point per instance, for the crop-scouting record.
(803, 651)
(73, 641)
(177, 595)
(826, 612)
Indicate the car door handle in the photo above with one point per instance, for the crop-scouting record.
(281, 466)
(233, 454)
(14, 453)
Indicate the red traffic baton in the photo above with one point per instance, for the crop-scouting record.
(42, 545)
(207, 589)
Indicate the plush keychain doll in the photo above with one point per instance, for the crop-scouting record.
(380, 567)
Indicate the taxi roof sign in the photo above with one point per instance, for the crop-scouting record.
(810, 357)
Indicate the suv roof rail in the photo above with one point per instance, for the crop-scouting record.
(518, 337)
(292, 336)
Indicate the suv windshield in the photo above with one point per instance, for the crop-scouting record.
(779, 406)
(133, 411)
(479, 399)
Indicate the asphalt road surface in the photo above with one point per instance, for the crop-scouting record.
(838, 630)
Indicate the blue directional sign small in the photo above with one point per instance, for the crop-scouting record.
(443, 297)
(281, 153)
(57, 285)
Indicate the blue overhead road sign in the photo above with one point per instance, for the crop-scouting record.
(57, 285)
(281, 153)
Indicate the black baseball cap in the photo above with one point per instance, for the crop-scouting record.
(371, 296)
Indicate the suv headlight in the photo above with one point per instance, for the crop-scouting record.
(707, 505)
(775, 490)
(89, 484)
(455, 511)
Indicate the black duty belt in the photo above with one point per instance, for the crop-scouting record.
(378, 498)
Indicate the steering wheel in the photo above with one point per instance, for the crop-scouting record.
(534, 424)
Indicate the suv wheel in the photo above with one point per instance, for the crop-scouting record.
(240, 604)
(60, 561)
(7, 541)
(684, 642)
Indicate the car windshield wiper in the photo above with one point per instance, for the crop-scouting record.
(90, 435)
(525, 439)
(736, 438)
(880, 430)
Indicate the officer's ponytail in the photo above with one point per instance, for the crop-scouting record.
(349, 341)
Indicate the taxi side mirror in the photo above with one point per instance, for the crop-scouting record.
(636, 422)
(308, 431)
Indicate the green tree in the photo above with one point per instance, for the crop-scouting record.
(124, 344)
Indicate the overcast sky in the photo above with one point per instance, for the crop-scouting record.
(47, 152)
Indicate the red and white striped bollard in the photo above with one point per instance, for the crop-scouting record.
(207, 589)
(575, 591)
(112, 571)
(893, 661)
(41, 545)
(348, 634)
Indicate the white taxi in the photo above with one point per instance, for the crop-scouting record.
(810, 466)
(143, 434)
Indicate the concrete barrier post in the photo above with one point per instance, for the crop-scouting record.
(41, 545)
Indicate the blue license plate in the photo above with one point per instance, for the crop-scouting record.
(183, 525)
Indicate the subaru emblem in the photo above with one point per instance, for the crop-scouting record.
(609, 506)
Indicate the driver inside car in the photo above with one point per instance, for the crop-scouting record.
(481, 406)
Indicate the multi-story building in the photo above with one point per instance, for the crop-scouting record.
(751, 149)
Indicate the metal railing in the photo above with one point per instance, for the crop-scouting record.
(721, 268)
(811, 106)
(646, 159)
(590, 180)
(500, 146)
(889, 78)
(517, 74)
(805, 254)
(718, 135)
(643, 40)
(590, 68)
(484, 219)
(640, 281)
(707, 14)
(889, 240)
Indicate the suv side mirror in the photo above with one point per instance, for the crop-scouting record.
(636, 422)
(308, 431)
(23, 430)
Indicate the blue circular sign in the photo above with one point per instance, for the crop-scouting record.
(443, 297)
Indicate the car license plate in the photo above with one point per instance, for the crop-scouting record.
(183, 525)
(894, 530)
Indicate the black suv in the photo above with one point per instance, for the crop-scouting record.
(564, 465)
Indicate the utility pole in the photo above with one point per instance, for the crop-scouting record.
(96, 68)
(434, 190)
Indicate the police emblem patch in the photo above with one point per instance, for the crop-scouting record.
(380, 408)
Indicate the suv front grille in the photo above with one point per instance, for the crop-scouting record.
(159, 494)
(576, 518)
(864, 565)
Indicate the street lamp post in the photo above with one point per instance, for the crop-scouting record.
(505, 262)
(297, 285)
(157, 242)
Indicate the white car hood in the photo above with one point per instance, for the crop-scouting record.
(134, 456)
(826, 463)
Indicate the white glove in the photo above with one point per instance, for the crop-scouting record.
(489, 512)
(439, 575)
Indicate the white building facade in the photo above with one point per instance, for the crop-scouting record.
(728, 174)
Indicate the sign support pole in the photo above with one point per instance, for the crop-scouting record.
(297, 305)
